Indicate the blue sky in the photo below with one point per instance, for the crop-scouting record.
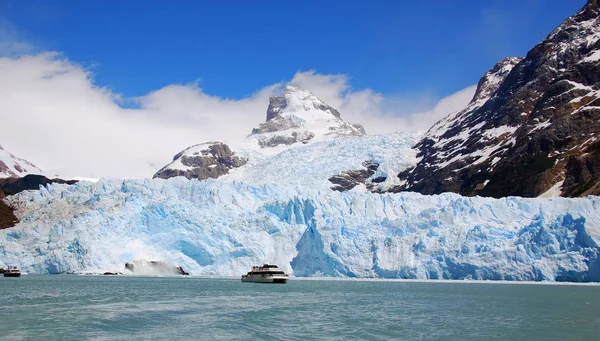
(160, 76)
(235, 48)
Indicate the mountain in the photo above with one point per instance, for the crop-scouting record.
(300, 117)
(531, 129)
(311, 193)
(12, 186)
(296, 118)
(12, 166)
(11, 169)
(202, 161)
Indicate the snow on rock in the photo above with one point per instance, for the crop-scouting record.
(12, 166)
(492, 79)
(519, 131)
(294, 120)
(553, 192)
(202, 161)
(592, 57)
(223, 228)
(300, 117)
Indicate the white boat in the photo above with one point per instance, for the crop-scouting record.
(12, 271)
(268, 273)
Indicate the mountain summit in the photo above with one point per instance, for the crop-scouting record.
(532, 127)
(299, 116)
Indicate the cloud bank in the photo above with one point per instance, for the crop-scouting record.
(55, 116)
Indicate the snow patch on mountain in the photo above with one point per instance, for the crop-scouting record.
(12, 166)
(592, 57)
(554, 191)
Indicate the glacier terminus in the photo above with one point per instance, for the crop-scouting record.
(222, 228)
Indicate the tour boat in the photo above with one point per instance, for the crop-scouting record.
(268, 273)
(12, 271)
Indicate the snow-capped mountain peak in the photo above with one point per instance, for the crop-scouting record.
(299, 102)
(301, 117)
(296, 118)
(492, 79)
(12, 166)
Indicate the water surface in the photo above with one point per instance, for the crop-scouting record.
(55, 307)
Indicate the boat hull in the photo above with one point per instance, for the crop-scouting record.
(267, 279)
(12, 274)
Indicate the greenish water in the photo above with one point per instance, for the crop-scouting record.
(135, 308)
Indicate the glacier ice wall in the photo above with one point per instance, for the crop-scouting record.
(223, 228)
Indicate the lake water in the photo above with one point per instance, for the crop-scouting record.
(145, 308)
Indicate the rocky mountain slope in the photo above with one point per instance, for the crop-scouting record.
(12, 166)
(7, 215)
(294, 119)
(532, 128)
(14, 185)
(202, 161)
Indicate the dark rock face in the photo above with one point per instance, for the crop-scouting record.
(360, 129)
(532, 123)
(347, 180)
(12, 186)
(287, 140)
(276, 104)
(3, 167)
(7, 216)
(209, 160)
(583, 173)
(278, 123)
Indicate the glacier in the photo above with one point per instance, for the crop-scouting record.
(311, 166)
(224, 227)
(280, 208)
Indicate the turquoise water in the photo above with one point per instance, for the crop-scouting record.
(135, 308)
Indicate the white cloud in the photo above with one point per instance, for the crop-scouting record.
(60, 121)
(214, 118)
(377, 113)
(54, 116)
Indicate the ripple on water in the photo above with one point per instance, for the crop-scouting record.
(136, 308)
